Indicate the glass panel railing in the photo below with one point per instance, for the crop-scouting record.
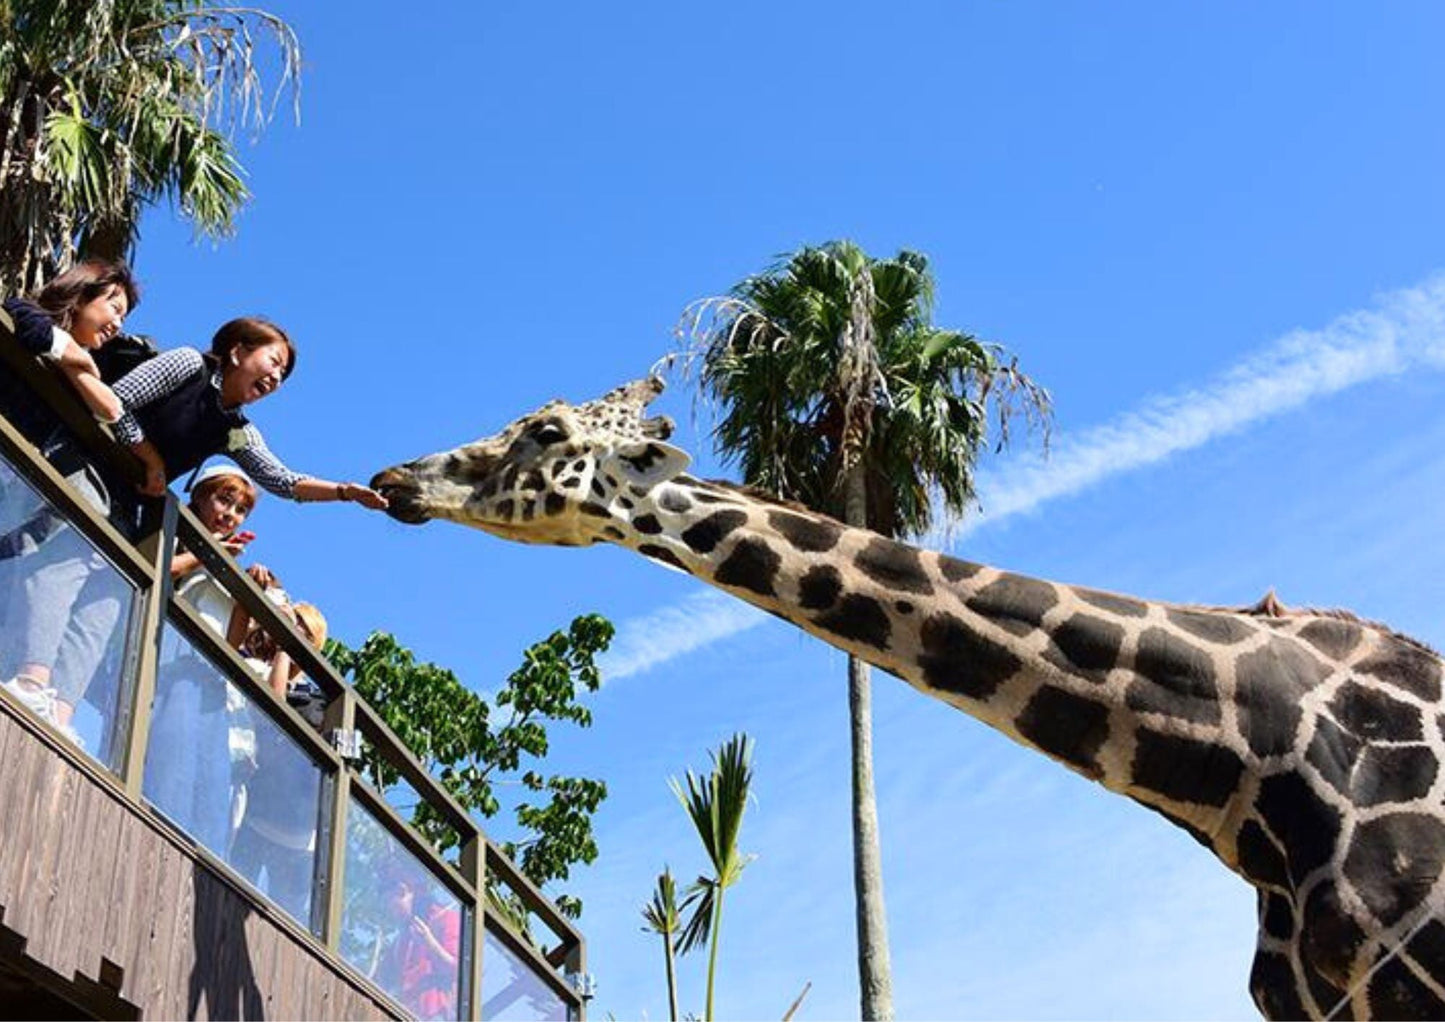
(512, 991)
(226, 773)
(401, 927)
(67, 616)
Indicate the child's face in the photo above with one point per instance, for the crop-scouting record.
(222, 510)
(100, 319)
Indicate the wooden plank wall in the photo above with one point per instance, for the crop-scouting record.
(108, 897)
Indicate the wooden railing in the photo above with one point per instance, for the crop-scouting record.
(142, 559)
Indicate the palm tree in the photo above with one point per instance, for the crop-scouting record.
(715, 805)
(663, 916)
(835, 389)
(109, 106)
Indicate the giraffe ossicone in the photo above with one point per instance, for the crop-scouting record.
(1303, 749)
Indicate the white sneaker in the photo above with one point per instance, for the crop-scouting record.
(38, 699)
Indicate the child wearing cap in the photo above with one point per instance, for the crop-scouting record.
(188, 759)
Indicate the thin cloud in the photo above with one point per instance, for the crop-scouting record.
(698, 620)
(1404, 330)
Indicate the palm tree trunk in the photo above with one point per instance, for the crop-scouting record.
(707, 1015)
(671, 977)
(875, 973)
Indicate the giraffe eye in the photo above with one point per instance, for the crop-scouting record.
(550, 433)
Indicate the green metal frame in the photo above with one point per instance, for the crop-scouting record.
(145, 564)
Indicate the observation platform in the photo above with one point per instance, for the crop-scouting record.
(189, 846)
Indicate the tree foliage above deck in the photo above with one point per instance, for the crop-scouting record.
(110, 106)
(475, 745)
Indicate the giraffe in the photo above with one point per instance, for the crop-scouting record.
(1302, 748)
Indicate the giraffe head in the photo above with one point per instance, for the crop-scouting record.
(549, 477)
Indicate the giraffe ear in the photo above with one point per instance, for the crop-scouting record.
(649, 462)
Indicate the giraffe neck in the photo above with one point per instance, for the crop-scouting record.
(1128, 693)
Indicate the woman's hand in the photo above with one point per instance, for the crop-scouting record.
(155, 482)
(155, 469)
(262, 576)
(365, 496)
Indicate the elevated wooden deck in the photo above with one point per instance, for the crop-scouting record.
(115, 903)
(109, 911)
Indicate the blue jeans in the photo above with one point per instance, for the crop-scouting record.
(65, 601)
(188, 759)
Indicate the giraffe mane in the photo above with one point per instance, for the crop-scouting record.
(1270, 606)
(766, 497)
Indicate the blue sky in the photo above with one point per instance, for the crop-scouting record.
(1213, 232)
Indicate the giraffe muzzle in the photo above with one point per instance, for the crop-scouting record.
(403, 495)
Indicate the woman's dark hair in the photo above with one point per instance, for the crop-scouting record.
(250, 333)
(84, 282)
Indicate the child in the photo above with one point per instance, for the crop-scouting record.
(66, 602)
(277, 834)
(188, 759)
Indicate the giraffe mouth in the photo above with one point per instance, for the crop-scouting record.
(403, 496)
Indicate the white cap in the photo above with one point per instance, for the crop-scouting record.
(219, 469)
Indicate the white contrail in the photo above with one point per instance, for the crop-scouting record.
(698, 620)
(1404, 330)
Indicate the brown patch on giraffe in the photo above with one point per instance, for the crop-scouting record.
(1272, 985)
(1332, 752)
(1395, 992)
(1329, 937)
(1405, 666)
(1121, 605)
(647, 524)
(1278, 920)
(1218, 628)
(894, 566)
(1184, 769)
(1335, 639)
(1427, 950)
(505, 508)
(860, 618)
(819, 587)
(1174, 678)
(1086, 646)
(810, 535)
(957, 659)
(752, 565)
(1261, 860)
(1305, 825)
(674, 501)
(704, 536)
(1269, 684)
(553, 504)
(954, 570)
(1393, 773)
(661, 553)
(1372, 715)
(1014, 603)
(1069, 727)
(1394, 861)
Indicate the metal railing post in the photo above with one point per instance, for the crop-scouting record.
(156, 545)
(340, 716)
(474, 869)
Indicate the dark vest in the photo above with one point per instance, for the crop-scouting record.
(187, 426)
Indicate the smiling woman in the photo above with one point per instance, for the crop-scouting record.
(184, 406)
